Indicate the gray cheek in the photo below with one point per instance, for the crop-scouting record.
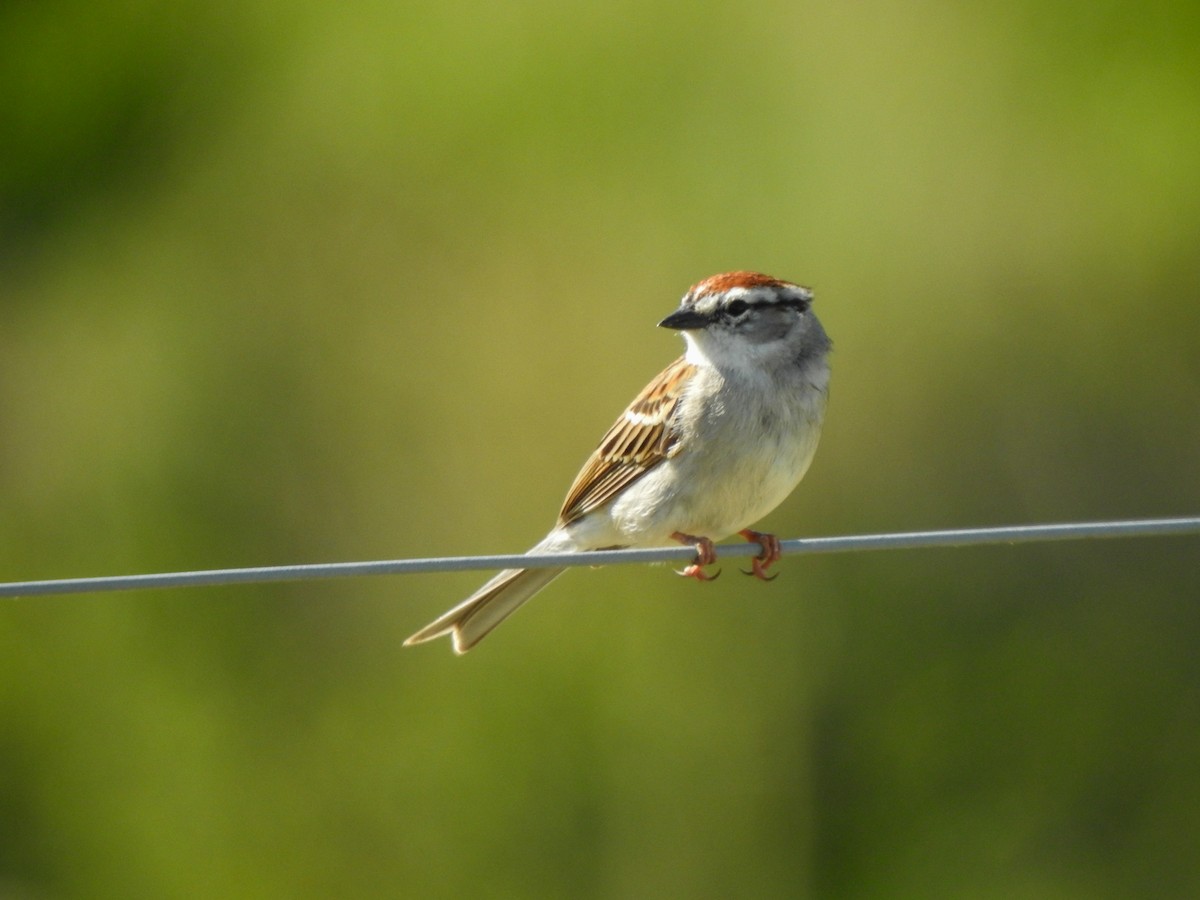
(771, 327)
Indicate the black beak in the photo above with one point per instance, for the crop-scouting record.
(684, 320)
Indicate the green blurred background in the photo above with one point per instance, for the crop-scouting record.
(311, 282)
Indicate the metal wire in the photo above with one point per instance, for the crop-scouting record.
(963, 537)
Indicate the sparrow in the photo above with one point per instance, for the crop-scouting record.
(710, 446)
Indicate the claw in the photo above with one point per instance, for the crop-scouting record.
(695, 571)
(770, 555)
(759, 571)
(705, 556)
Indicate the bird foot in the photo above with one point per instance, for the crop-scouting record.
(705, 556)
(770, 555)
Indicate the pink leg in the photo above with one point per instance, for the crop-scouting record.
(705, 556)
(770, 555)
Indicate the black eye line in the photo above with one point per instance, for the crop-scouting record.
(744, 305)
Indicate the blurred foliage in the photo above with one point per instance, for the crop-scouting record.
(306, 282)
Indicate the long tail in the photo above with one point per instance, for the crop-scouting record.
(472, 620)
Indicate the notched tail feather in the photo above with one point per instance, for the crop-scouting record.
(473, 619)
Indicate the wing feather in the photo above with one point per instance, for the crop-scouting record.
(639, 440)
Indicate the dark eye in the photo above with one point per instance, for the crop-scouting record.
(737, 307)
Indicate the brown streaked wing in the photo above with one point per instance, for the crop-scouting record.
(638, 441)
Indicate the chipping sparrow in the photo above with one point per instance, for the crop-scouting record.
(711, 445)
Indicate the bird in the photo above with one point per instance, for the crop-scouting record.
(711, 445)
